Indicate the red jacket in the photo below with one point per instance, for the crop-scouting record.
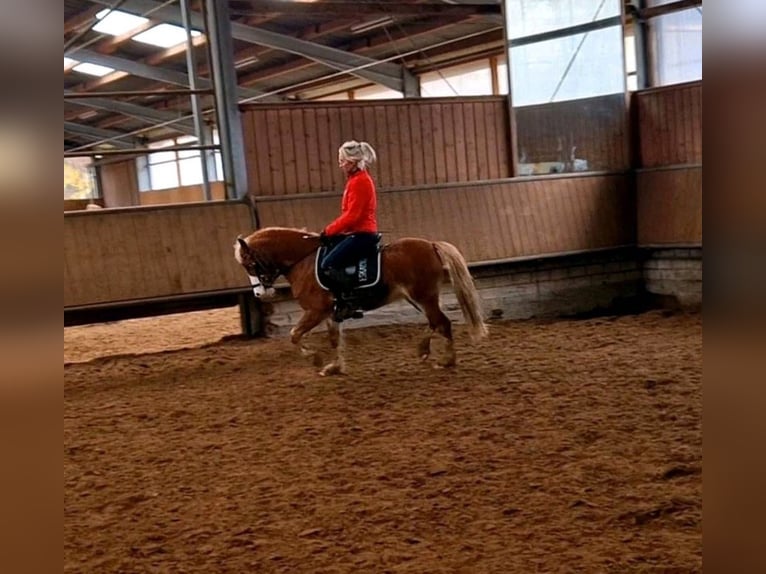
(358, 206)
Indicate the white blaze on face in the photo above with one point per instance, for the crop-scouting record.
(258, 289)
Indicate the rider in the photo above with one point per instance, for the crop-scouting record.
(357, 221)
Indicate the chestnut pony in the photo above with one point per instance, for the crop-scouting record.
(412, 269)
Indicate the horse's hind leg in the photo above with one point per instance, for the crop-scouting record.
(337, 365)
(424, 346)
(440, 324)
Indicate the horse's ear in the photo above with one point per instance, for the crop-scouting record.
(243, 244)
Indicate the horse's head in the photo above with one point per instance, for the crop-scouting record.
(262, 273)
(273, 251)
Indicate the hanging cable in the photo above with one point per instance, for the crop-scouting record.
(418, 50)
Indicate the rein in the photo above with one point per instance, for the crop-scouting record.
(282, 270)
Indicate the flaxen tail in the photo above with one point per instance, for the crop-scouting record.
(465, 290)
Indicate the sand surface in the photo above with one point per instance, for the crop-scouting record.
(564, 446)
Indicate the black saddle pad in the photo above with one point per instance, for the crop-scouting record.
(361, 275)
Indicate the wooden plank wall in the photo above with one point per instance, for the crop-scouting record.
(669, 201)
(183, 194)
(119, 183)
(670, 125)
(490, 221)
(292, 149)
(131, 254)
(597, 127)
(670, 207)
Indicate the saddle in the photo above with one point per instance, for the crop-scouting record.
(356, 286)
(363, 274)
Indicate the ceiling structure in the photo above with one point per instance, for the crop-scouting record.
(283, 50)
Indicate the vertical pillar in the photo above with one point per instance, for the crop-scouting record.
(643, 54)
(410, 83)
(225, 81)
(199, 124)
(512, 134)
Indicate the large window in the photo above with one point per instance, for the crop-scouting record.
(568, 78)
(569, 67)
(528, 17)
(176, 168)
(676, 47)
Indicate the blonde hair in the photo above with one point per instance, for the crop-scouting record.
(360, 152)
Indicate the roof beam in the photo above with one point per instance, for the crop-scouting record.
(118, 139)
(84, 18)
(345, 7)
(361, 45)
(387, 74)
(142, 113)
(151, 72)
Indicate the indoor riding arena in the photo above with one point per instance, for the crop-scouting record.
(557, 144)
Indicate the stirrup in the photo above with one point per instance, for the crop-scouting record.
(342, 311)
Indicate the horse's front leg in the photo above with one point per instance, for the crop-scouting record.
(338, 365)
(308, 321)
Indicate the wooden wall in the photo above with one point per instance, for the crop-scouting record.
(184, 194)
(115, 255)
(669, 122)
(292, 149)
(119, 183)
(491, 221)
(597, 127)
(669, 178)
(443, 174)
(670, 207)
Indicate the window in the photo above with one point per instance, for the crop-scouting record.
(116, 22)
(502, 75)
(528, 17)
(79, 178)
(676, 47)
(176, 168)
(630, 62)
(569, 67)
(474, 79)
(377, 93)
(564, 81)
(164, 35)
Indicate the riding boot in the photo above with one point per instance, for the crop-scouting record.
(345, 307)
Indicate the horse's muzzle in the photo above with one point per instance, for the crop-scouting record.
(259, 289)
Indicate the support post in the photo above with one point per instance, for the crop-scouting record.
(199, 122)
(225, 82)
(251, 315)
(513, 141)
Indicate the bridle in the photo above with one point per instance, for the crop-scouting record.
(265, 270)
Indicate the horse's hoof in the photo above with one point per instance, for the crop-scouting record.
(448, 365)
(331, 369)
(424, 357)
